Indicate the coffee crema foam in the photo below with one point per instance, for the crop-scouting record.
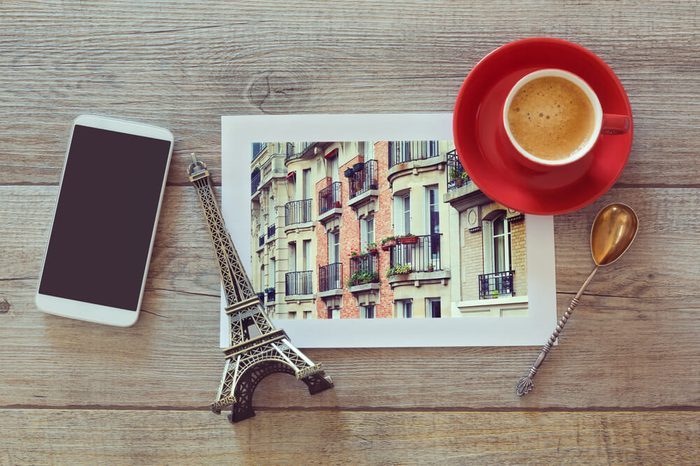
(551, 117)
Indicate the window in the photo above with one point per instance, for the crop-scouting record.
(432, 207)
(333, 246)
(258, 147)
(366, 231)
(292, 315)
(367, 312)
(307, 315)
(273, 271)
(306, 183)
(332, 167)
(333, 308)
(501, 243)
(402, 214)
(432, 308)
(262, 277)
(404, 308)
(292, 257)
(306, 254)
(366, 148)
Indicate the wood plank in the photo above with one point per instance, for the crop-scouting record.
(356, 437)
(635, 331)
(185, 65)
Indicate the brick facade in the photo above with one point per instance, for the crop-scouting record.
(383, 227)
(472, 256)
(518, 257)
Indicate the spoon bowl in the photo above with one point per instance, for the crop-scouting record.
(612, 233)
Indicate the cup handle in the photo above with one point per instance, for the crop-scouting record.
(615, 124)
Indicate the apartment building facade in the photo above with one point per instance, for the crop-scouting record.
(378, 230)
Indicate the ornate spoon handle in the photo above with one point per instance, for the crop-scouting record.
(526, 384)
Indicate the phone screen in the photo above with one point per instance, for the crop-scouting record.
(105, 216)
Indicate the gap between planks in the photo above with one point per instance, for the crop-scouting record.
(367, 409)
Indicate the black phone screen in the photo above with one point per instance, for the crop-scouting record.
(105, 216)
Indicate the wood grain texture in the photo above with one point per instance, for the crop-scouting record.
(183, 65)
(72, 392)
(171, 359)
(354, 437)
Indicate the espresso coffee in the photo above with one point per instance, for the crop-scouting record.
(551, 117)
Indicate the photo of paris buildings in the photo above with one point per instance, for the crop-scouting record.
(380, 229)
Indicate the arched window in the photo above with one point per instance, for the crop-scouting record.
(496, 231)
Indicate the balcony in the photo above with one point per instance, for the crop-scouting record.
(271, 231)
(496, 285)
(298, 284)
(364, 182)
(291, 154)
(329, 198)
(270, 294)
(413, 157)
(456, 175)
(254, 181)
(462, 193)
(407, 151)
(297, 212)
(330, 201)
(302, 150)
(364, 273)
(416, 259)
(330, 279)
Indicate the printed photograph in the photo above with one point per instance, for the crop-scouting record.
(380, 229)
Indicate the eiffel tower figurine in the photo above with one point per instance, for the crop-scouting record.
(257, 348)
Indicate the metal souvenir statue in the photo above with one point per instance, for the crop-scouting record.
(257, 348)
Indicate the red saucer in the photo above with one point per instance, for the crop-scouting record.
(482, 148)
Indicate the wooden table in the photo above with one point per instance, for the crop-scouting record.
(624, 386)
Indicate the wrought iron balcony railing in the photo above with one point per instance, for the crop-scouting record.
(405, 151)
(495, 285)
(364, 269)
(329, 198)
(330, 277)
(295, 152)
(456, 176)
(363, 178)
(254, 181)
(271, 230)
(416, 254)
(297, 212)
(298, 283)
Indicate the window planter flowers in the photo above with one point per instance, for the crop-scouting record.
(388, 242)
(361, 278)
(407, 239)
(402, 269)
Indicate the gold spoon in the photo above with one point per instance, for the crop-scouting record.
(612, 233)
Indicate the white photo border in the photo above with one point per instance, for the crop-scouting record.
(237, 135)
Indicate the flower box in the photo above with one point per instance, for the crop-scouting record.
(408, 240)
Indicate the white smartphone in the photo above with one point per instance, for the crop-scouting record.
(105, 220)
